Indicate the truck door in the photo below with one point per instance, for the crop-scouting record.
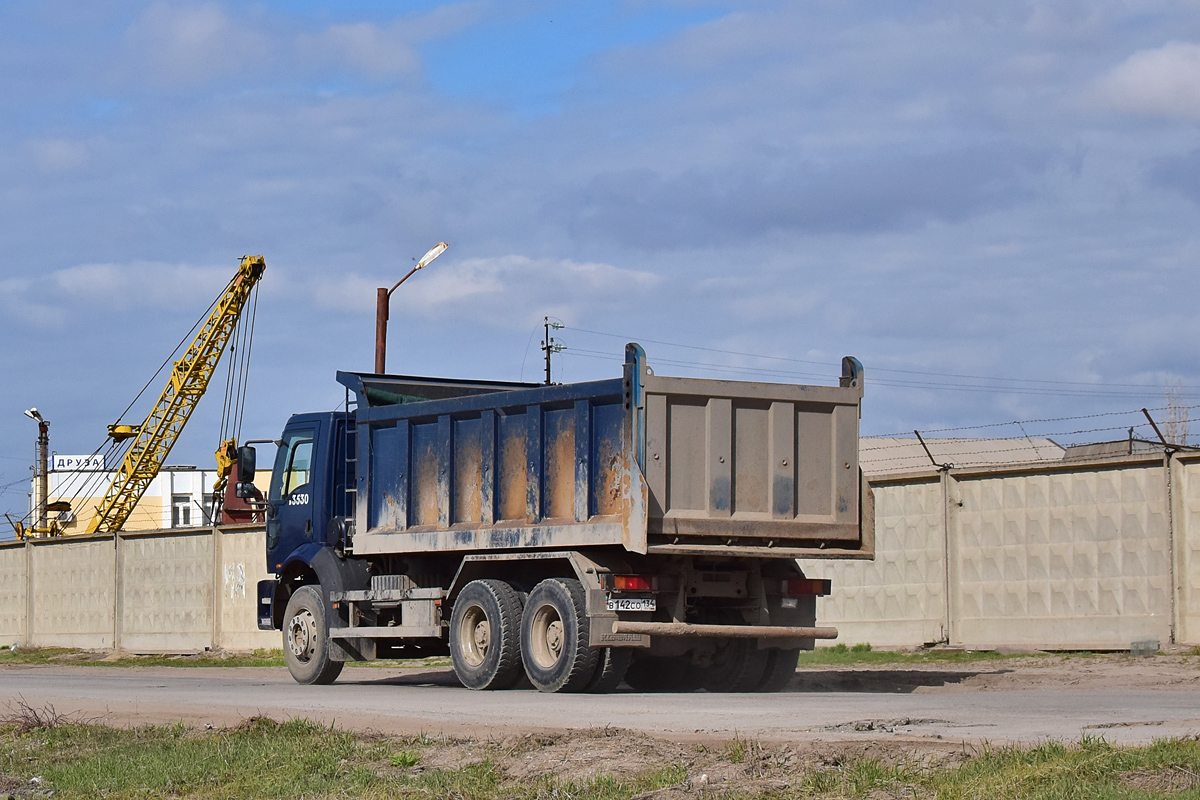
(291, 499)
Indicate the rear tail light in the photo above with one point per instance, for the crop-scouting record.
(632, 583)
(796, 587)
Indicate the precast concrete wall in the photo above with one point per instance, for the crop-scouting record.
(1075, 560)
(900, 597)
(166, 592)
(242, 563)
(72, 594)
(1185, 518)
(170, 591)
(14, 592)
(1062, 556)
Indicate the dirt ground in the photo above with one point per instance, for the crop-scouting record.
(1115, 671)
(742, 765)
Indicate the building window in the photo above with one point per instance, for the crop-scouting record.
(181, 511)
(208, 508)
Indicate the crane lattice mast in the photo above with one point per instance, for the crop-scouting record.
(190, 375)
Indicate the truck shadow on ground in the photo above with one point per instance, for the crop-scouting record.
(876, 681)
(884, 681)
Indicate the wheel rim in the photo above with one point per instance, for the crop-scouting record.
(547, 637)
(302, 635)
(474, 636)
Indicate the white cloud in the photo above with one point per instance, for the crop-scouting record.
(58, 155)
(1164, 81)
(141, 283)
(177, 43)
(366, 46)
(387, 50)
(506, 291)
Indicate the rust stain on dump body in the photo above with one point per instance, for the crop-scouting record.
(426, 475)
(468, 476)
(513, 479)
(610, 486)
(560, 474)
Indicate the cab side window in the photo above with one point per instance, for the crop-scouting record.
(293, 464)
(298, 466)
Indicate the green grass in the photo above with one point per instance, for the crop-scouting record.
(266, 759)
(863, 654)
(258, 658)
(1090, 770)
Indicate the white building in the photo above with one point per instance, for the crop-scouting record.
(178, 497)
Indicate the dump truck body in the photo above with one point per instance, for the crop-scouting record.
(647, 463)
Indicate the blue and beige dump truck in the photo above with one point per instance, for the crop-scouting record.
(641, 529)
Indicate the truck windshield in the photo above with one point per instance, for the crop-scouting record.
(292, 463)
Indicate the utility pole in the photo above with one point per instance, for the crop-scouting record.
(41, 471)
(549, 346)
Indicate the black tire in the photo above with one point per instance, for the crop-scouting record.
(649, 673)
(614, 663)
(306, 638)
(485, 631)
(738, 666)
(554, 637)
(781, 668)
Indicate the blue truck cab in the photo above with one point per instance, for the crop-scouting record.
(308, 487)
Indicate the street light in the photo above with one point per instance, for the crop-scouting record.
(382, 296)
(41, 476)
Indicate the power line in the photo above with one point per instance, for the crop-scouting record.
(872, 369)
(888, 382)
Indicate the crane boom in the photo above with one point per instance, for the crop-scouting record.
(190, 375)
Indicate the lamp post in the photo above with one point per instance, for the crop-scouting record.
(41, 475)
(382, 296)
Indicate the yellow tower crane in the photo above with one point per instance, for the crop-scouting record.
(190, 375)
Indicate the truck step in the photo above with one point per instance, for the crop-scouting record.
(394, 632)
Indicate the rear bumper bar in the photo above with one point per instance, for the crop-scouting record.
(723, 631)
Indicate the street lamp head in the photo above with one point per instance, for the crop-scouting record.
(433, 253)
(34, 415)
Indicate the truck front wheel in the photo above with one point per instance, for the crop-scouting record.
(485, 630)
(554, 637)
(306, 638)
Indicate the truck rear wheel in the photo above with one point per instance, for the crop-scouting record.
(554, 637)
(485, 630)
(610, 671)
(650, 673)
(306, 638)
(738, 666)
(781, 668)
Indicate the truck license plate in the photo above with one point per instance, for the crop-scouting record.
(631, 604)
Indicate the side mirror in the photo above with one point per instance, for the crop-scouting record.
(247, 456)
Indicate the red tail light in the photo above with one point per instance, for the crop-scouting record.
(796, 587)
(632, 583)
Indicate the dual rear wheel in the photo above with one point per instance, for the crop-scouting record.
(495, 636)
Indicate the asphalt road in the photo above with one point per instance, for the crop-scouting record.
(431, 702)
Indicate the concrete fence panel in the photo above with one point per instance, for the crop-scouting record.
(243, 564)
(899, 599)
(1064, 560)
(72, 592)
(13, 593)
(1185, 514)
(166, 592)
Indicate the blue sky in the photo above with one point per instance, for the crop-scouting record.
(994, 206)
